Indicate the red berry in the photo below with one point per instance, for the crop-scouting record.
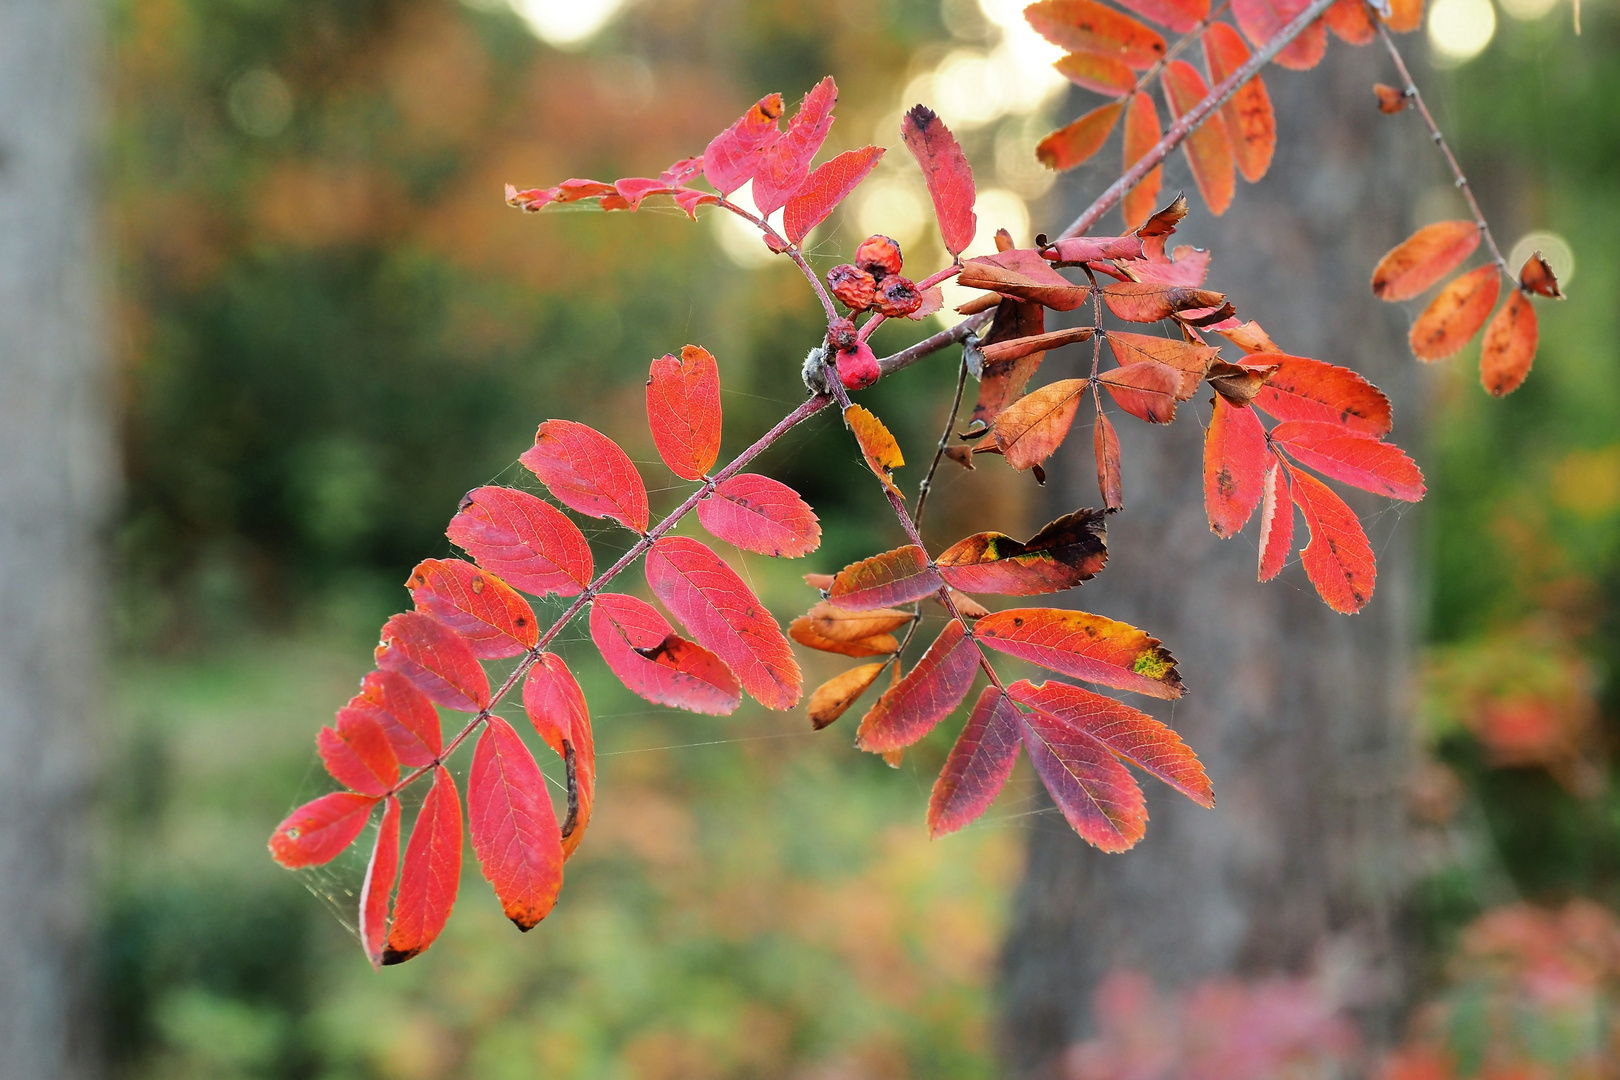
(852, 285)
(858, 367)
(897, 297)
(841, 335)
(878, 255)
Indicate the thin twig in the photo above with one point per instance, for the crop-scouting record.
(790, 250)
(1445, 150)
(530, 658)
(944, 439)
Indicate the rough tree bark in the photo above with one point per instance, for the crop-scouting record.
(1299, 713)
(54, 485)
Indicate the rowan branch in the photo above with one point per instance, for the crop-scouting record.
(810, 407)
(1461, 181)
(944, 440)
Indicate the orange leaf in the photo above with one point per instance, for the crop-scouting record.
(978, 766)
(1405, 16)
(838, 624)
(1075, 143)
(1209, 151)
(1276, 522)
(1001, 384)
(1337, 559)
(1235, 460)
(1423, 258)
(1250, 337)
(1192, 361)
(1131, 734)
(1251, 125)
(1510, 346)
(1030, 429)
(1105, 445)
(683, 411)
(1537, 276)
(1092, 71)
(1352, 457)
(1305, 389)
(877, 445)
(1142, 134)
(834, 697)
(1390, 100)
(894, 577)
(1455, 315)
(1087, 26)
(1351, 20)
(1024, 274)
(945, 168)
(804, 631)
(1261, 19)
(927, 694)
(1064, 553)
(1084, 646)
(1146, 390)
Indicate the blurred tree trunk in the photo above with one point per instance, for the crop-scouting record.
(1300, 714)
(54, 488)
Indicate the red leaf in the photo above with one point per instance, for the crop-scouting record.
(644, 651)
(318, 831)
(431, 874)
(1261, 19)
(1146, 390)
(1098, 797)
(378, 884)
(1338, 559)
(683, 410)
(894, 577)
(358, 753)
(909, 710)
(405, 713)
(1510, 346)
(1002, 384)
(1141, 135)
(785, 163)
(1032, 428)
(759, 514)
(1075, 143)
(826, 187)
(1304, 389)
(530, 543)
(979, 764)
(1129, 733)
(1148, 301)
(514, 829)
(1004, 352)
(487, 612)
(1209, 151)
(588, 472)
(1102, 74)
(1251, 125)
(724, 615)
(1192, 361)
(1105, 447)
(1066, 552)
(1354, 458)
(1022, 272)
(1235, 459)
(950, 181)
(1178, 16)
(556, 707)
(1085, 646)
(432, 656)
(734, 155)
(1423, 258)
(1276, 523)
(633, 189)
(1079, 249)
(1087, 26)
(1455, 315)
(1185, 266)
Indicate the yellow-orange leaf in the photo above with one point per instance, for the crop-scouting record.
(1456, 314)
(1031, 428)
(804, 631)
(839, 624)
(1074, 143)
(878, 447)
(1423, 259)
(834, 697)
(1510, 346)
